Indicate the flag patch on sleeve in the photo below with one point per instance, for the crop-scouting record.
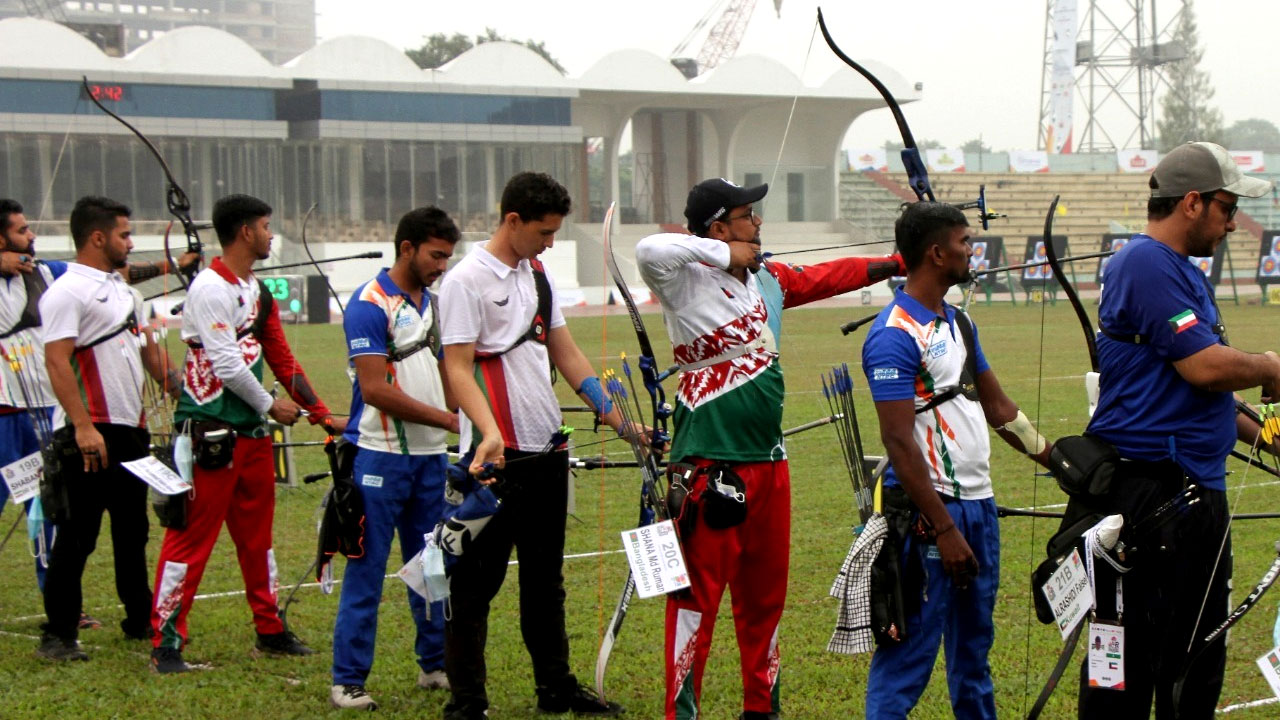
(1184, 320)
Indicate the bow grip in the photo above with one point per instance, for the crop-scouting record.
(917, 175)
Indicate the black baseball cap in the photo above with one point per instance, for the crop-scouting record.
(709, 200)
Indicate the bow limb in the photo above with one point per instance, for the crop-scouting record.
(645, 453)
(315, 263)
(1055, 265)
(647, 362)
(917, 174)
(176, 200)
(1064, 661)
(1266, 415)
(1251, 600)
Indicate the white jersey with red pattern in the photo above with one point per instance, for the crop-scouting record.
(726, 335)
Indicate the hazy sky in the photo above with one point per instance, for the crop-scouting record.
(980, 62)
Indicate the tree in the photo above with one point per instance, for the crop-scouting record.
(1185, 112)
(1252, 134)
(976, 146)
(440, 48)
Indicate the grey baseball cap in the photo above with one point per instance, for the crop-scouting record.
(1203, 167)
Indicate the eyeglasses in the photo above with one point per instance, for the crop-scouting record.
(1231, 208)
(750, 215)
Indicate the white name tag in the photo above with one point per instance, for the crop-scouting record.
(158, 475)
(1106, 656)
(1269, 664)
(1069, 593)
(23, 477)
(656, 561)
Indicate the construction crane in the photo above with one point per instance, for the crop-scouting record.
(731, 18)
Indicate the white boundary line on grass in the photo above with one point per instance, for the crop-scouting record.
(1055, 506)
(1250, 704)
(237, 593)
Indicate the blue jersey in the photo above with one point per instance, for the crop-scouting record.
(382, 320)
(1146, 409)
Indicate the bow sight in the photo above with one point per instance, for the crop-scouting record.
(984, 213)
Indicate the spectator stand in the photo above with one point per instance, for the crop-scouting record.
(1211, 266)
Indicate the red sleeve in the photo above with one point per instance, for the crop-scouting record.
(275, 348)
(805, 283)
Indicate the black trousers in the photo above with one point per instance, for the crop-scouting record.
(1186, 566)
(121, 493)
(532, 520)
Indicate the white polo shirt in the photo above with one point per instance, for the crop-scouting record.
(486, 302)
(86, 304)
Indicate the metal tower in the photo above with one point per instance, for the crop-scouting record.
(1121, 50)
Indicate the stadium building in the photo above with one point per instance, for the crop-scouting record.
(354, 125)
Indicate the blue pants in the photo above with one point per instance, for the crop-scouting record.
(402, 493)
(958, 619)
(18, 440)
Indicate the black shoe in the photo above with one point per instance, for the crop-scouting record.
(133, 632)
(453, 711)
(755, 715)
(579, 700)
(168, 660)
(53, 647)
(282, 643)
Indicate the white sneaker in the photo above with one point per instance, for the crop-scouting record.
(351, 697)
(434, 680)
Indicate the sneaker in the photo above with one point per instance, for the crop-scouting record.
(757, 715)
(580, 700)
(281, 643)
(53, 647)
(351, 697)
(89, 622)
(168, 660)
(434, 680)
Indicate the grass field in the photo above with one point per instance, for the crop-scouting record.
(1039, 366)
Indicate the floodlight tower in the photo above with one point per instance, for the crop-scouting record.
(1121, 51)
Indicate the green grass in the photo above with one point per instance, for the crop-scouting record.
(816, 684)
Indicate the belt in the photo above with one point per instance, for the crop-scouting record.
(730, 354)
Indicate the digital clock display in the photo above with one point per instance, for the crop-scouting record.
(103, 92)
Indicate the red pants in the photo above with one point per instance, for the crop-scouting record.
(752, 559)
(243, 494)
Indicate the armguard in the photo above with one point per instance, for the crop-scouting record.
(1021, 428)
(593, 392)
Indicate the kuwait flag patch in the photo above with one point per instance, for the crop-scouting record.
(1184, 320)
